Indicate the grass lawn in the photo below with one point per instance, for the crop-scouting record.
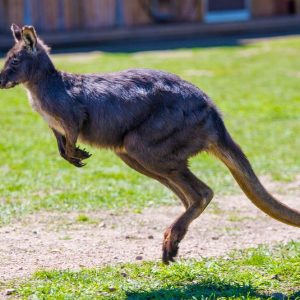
(260, 273)
(256, 87)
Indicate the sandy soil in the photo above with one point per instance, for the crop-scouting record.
(59, 240)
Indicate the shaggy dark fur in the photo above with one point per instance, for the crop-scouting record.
(153, 120)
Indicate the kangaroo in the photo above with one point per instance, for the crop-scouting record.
(154, 121)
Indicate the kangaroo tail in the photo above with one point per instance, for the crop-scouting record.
(233, 157)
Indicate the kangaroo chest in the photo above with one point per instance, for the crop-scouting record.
(38, 107)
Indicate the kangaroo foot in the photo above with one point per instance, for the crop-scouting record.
(172, 238)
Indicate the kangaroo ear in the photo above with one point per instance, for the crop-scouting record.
(16, 31)
(29, 37)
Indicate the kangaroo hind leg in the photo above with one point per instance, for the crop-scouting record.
(199, 195)
(131, 162)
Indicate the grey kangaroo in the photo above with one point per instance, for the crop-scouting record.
(154, 121)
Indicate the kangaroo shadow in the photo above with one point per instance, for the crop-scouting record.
(208, 290)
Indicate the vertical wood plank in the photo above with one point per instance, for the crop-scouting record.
(2, 16)
(119, 13)
(38, 14)
(27, 16)
(134, 13)
(264, 8)
(61, 15)
(189, 10)
(297, 5)
(68, 14)
(5, 15)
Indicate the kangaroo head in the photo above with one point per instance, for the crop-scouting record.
(26, 60)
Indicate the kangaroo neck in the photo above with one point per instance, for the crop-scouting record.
(41, 80)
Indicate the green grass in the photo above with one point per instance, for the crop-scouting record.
(260, 273)
(256, 87)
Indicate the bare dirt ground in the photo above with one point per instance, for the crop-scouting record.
(60, 241)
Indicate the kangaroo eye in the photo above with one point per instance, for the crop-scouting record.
(15, 61)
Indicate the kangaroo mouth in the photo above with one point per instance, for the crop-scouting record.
(8, 85)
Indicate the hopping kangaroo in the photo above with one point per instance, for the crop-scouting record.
(154, 121)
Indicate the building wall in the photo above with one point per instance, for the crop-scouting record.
(269, 8)
(64, 15)
(275, 7)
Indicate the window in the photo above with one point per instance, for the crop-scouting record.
(226, 10)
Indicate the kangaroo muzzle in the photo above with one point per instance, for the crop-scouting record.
(5, 83)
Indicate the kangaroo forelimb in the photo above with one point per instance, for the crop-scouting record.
(78, 154)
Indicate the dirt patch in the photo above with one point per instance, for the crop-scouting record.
(67, 240)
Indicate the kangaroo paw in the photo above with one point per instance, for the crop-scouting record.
(76, 162)
(81, 153)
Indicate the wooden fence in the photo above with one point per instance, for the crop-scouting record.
(64, 15)
(72, 15)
